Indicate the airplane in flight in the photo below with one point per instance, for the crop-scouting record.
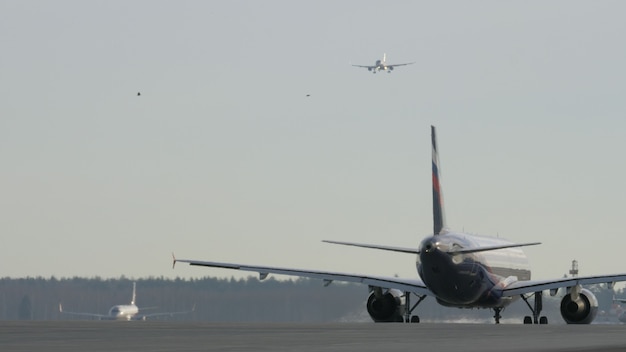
(458, 270)
(124, 311)
(382, 65)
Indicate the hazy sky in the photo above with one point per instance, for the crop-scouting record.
(223, 157)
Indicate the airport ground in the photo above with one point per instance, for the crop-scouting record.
(182, 336)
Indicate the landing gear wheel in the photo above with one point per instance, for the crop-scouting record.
(496, 314)
(408, 309)
(535, 309)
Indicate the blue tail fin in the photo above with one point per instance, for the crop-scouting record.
(439, 219)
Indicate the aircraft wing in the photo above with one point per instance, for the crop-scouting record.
(164, 314)
(93, 315)
(394, 65)
(415, 251)
(364, 66)
(530, 286)
(408, 285)
(375, 246)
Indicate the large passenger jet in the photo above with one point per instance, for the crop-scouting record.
(457, 270)
(382, 65)
(123, 311)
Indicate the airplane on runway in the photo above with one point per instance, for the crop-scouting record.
(457, 269)
(382, 65)
(124, 311)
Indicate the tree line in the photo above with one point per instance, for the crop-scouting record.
(235, 300)
(212, 299)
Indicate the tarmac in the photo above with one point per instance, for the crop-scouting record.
(363, 337)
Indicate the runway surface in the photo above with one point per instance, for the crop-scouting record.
(362, 337)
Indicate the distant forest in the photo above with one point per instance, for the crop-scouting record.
(237, 300)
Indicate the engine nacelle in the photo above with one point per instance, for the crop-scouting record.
(581, 311)
(386, 308)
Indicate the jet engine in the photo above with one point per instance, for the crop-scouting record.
(386, 307)
(580, 311)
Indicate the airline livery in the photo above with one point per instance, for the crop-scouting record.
(458, 270)
(382, 65)
(123, 311)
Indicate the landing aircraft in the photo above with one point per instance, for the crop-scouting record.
(457, 269)
(382, 65)
(123, 311)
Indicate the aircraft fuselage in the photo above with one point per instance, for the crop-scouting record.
(469, 279)
(123, 312)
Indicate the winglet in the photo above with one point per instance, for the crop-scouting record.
(439, 219)
(173, 260)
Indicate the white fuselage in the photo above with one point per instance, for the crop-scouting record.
(470, 279)
(380, 65)
(123, 312)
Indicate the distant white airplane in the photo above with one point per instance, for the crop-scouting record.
(458, 270)
(382, 65)
(124, 311)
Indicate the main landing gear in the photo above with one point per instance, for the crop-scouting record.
(535, 309)
(408, 310)
(496, 314)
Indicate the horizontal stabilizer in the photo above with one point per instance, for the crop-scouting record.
(373, 246)
(415, 251)
(492, 248)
